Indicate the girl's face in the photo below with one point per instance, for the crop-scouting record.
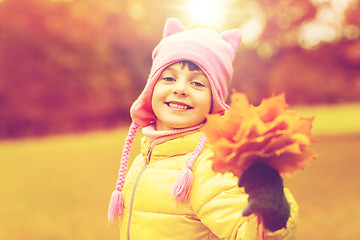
(181, 98)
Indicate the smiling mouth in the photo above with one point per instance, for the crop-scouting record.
(177, 105)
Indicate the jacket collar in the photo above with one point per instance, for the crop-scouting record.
(177, 146)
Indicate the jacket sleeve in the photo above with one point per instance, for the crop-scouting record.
(218, 202)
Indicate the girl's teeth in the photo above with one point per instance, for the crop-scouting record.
(174, 105)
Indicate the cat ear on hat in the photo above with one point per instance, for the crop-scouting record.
(172, 26)
(233, 37)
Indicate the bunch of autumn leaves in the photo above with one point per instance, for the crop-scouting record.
(270, 133)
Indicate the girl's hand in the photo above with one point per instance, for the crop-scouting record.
(264, 186)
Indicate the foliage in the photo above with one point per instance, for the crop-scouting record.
(328, 75)
(64, 66)
(78, 65)
(269, 133)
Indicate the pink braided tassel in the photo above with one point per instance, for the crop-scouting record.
(182, 184)
(116, 206)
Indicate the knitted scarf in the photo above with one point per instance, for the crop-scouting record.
(157, 137)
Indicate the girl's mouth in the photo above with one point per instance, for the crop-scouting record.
(179, 106)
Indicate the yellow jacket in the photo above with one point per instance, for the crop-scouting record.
(215, 205)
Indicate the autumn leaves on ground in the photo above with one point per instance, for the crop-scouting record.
(58, 187)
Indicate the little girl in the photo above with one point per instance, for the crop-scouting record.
(170, 190)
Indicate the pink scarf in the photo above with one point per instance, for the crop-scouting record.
(157, 137)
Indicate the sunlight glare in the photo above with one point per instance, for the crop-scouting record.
(251, 31)
(313, 33)
(327, 25)
(207, 11)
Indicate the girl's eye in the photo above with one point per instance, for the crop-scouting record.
(168, 79)
(198, 84)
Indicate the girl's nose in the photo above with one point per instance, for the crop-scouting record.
(180, 89)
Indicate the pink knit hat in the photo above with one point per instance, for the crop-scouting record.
(211, 51)
(214, 54)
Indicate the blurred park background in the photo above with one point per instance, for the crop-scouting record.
(69, 71)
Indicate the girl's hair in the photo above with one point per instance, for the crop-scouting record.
(192, 66)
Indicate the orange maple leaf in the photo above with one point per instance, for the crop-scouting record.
(270, 133)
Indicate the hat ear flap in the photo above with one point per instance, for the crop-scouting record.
(172, 26)
(233, 37)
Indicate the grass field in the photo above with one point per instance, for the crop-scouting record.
(58, 187)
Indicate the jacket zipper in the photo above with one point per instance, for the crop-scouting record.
(147, 160)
